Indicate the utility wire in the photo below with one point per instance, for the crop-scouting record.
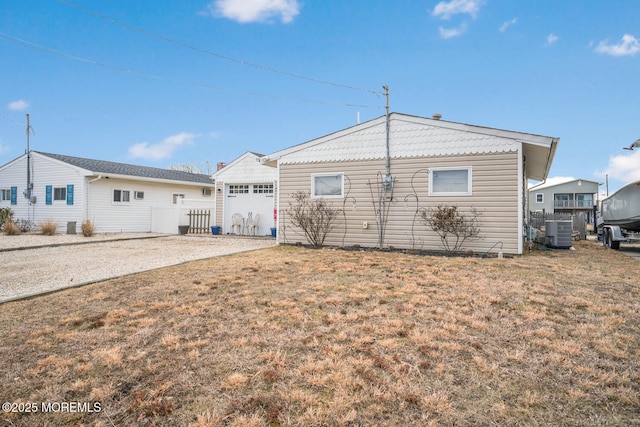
(218, 55)
(2, 116)
(21, 42)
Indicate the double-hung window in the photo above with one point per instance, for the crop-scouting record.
(327, 185)
(450, 181)
(121, 196)
(6, 194)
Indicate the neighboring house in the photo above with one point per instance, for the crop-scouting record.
(572, 196)
(381, 186)
(115, 197)
(246, 186)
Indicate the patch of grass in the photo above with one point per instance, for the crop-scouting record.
(293, 336)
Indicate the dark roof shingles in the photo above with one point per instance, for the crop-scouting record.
(106, 167)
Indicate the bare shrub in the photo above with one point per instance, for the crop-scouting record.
(5, 214)
(25, 225)
(314, 216)
(452, 225)
(87, 228)
(10, 228)
(48, 227)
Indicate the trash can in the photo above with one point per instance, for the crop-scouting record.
(215, 230)
(183, 229)
(71, 227)
(273, 232)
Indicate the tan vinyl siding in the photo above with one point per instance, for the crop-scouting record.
(494, 195)
(219, 204)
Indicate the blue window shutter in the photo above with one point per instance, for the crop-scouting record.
(69, 194)
(48, 195)
(14, 195)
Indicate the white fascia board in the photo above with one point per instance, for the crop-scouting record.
(237, 160)
(156, 180)
(271, 158)
(523, 137)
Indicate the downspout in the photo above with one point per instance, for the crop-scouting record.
(88, 192)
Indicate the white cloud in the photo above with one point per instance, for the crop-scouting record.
(624, 167)
(447, 33)
(507, 24)
(245, 11)
(551, 39)
(162, 149)
(628, 46)
(446, 10)
(19, 105)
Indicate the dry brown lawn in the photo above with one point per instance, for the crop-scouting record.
(290, 336)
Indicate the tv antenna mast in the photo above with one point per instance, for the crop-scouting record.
(28, 191)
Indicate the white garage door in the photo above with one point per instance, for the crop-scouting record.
(256, 199)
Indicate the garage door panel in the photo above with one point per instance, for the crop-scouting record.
(257, 203)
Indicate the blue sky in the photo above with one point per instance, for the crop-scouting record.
(172, 82)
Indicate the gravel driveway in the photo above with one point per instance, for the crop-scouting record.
(33, 264)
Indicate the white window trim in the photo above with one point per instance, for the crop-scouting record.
(469, 170)
(5, 191)
(53, 194)
(238, 189)
(313, 185)
(138, 195)
(262, 189)
(113, 202)
(177, 197)
(541, 198)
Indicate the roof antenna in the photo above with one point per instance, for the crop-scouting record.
(27, 192)
(386, 94)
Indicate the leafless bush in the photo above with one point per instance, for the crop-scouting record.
(25, 225)
(87, 228)
(5, 214)
(10, 228)
(452, 226)
(48, 227)
(314, 216)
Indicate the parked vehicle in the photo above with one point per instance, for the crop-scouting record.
(618, 216)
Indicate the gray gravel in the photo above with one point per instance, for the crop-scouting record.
(34, 264)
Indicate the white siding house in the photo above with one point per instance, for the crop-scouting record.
(247, 188)
(380, 184)
(115, 197)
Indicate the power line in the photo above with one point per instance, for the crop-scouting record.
(2, 116)
(218, 55)
(30, 45)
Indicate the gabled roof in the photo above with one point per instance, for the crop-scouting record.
(553, 182)
(246, 169)
(413, 136)
(103, 167)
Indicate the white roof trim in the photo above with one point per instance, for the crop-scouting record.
(411, 137)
